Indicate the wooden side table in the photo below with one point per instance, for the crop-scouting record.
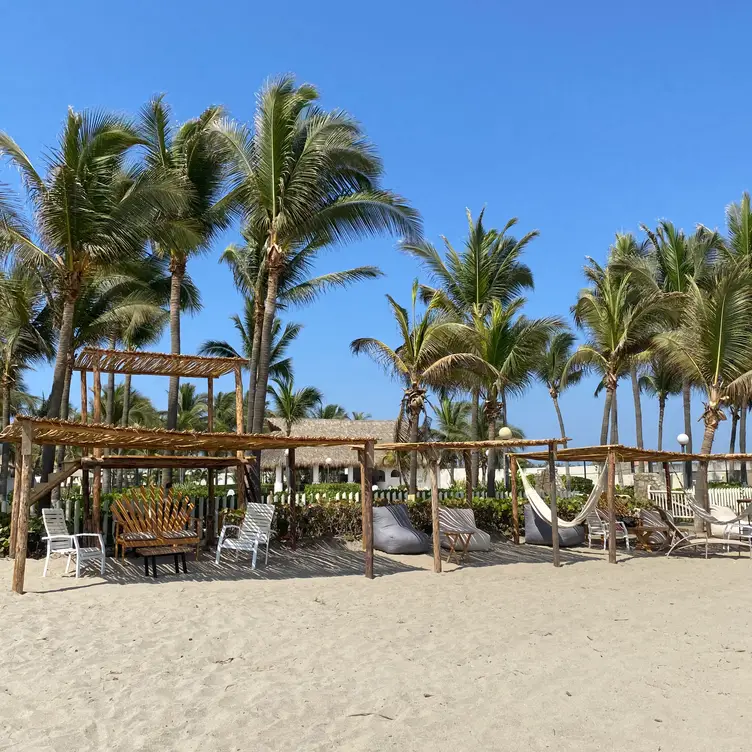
(455, 537)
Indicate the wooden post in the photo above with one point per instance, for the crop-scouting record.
(667, 474)
(610, 491)
(363, 482)
(240, 472)
(15, 507)
(366, 463)
(21, 497)
(515, 506)
(209, 521)
(96, 513)
(85, 498)
(291, 488)
(435, 531)
(467, 460)
(552, 503)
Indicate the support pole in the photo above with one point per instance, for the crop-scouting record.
(669, 500)
(21, 498)
(240, 472)
(552, 503)
(515, 505)
(435, 531)
(210, 521)
(610, 491)
(96, 514)
(467, 459)
(366, 464)
(85, 496)
(363, 483)
(292, 490)
(15, 506)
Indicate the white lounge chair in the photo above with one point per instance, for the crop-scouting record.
(60, 541)
(597, 525)
(256, 528)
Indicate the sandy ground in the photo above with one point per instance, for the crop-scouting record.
(505, 653)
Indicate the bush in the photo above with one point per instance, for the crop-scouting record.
(330, 490)
(36, 532)
(580, 485)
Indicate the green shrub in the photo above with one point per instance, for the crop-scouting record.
(330, 490)
(580, 485)
(36, 532)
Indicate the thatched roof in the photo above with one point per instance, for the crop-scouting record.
(622, 453)
(342, 456)
(154, 364)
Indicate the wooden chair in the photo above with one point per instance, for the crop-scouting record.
(147, 517)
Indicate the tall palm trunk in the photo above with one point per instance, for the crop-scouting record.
(58, 379)
(661, 413)
(504, 422)
(5, 464)
(474, 428)
(414, 427)
(258, 321)
(492, 409)
(109, 411)
(615, 434)
(638, 411)
(743, 439)
(177, 273)
(124, 417)
(606, 416)
(562, 431)
(64, 411)
(712, 418)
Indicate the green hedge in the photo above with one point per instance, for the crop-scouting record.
(330, 490)
(36, 532)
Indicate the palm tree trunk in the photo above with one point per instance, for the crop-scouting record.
(58, 382)
(504, 422)
(606, 417)
(491, 470)
(474, 457)
(5, 465)
(109, 411)
(615, 434)
(638, 411)
(687, 400)
(265, 346)
(413, 433)
(743, 439)
(711, 424)
(124, 417)
(661, 413)
(64, 411)
(177, 273)
(563, 433)
(258, 321)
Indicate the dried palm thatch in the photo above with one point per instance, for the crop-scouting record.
(622, 453)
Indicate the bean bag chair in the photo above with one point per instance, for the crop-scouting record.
(538, 531)
(463, 520)
(393, 533)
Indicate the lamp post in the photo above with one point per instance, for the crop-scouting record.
(505, 433)
(328, 466)
(683, 440)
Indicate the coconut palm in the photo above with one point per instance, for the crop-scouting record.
(26, 338)
(550, 371)
(488, 268)
(452, 424)
(712, 348)
(90, 210)
(360, 415)
(293, 405)
(304, 176)
(330, 412)
(420, 360)
(661, 381)
(619, 327)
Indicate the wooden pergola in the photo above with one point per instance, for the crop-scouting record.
(610, 454)
(136, 363)
(27, 432)
(432, 450)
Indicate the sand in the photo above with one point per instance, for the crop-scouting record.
(505, 653)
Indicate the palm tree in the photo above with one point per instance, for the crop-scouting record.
(190, 155)
(504, 348)
(619, 325)
(304, 176)
(192, 409)
(359, 415)
(90, 210)
(452, 424)
(330, 412)
(550, 370)
(468, 282)
(26, 338)
(419, 361)
(712, 348)
(662, 382)
(293, 405)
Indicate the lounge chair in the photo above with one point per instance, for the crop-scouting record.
(462, 520)
(652, 532)
(683, 539)
(597, 525)
(60, 541)
(256, 528)
(393, 532)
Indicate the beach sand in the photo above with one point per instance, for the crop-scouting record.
(505, 653)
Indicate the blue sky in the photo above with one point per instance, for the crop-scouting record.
(582, 119)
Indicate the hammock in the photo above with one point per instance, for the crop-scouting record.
(703, 513)
(544, 511)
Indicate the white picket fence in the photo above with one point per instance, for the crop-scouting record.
(719, 497)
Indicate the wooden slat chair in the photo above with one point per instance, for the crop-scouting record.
(147, 517)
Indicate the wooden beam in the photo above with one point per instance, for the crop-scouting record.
(85, 493)
(367, 502)
(515, 506)
(435, 530)
(610, 492)
(21, 497)
(210, 521)
(53, 481)
(667, 475)
(552, 503)
(15, 506)
(240, 473)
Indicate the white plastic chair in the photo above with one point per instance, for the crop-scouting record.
(256, 528)
(597, 526)
(60, 541)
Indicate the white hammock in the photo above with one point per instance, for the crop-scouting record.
(544, 511)
(703, 513)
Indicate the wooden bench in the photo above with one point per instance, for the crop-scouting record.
(149, 518)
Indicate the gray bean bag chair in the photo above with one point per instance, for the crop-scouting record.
(393, 533)
(538, 531)
(463, 520)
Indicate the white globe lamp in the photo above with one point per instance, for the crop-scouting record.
(683, 439)
(505, 433)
